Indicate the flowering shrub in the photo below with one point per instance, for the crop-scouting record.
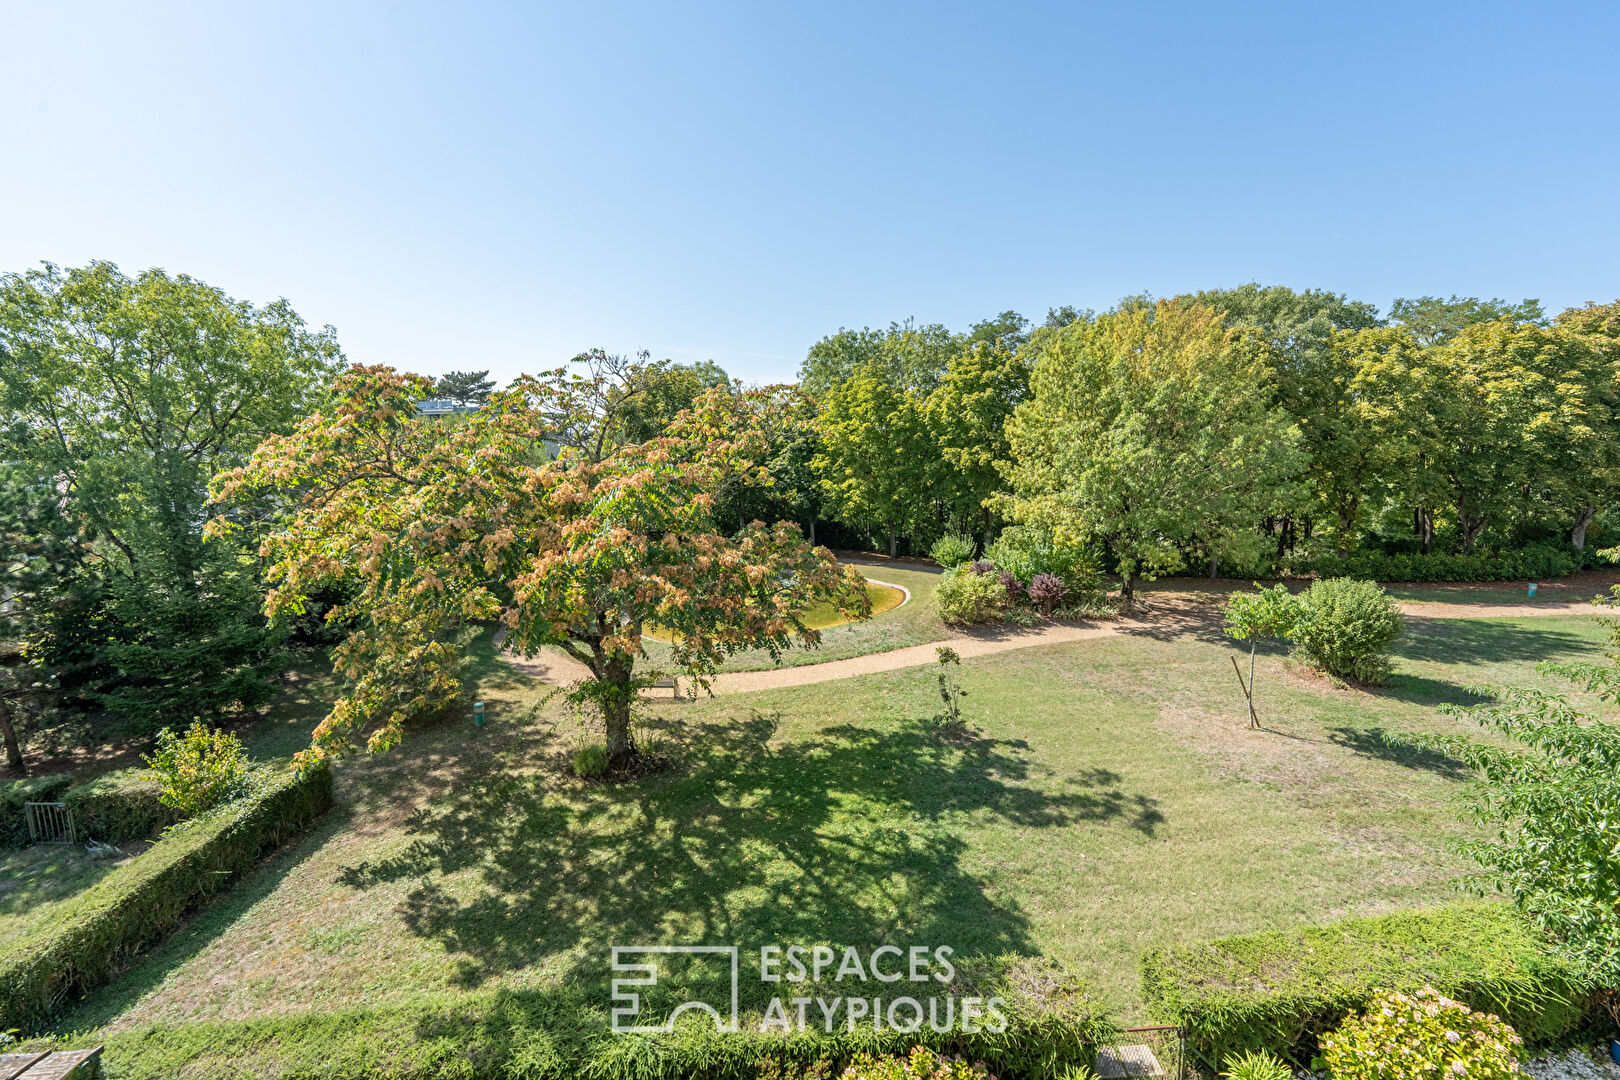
(200, 769)
(920, 1064)
(1422, 1036)
(1046, 591)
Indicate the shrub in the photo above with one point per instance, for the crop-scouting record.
(1528, 564)
(1257, 1065)
(1026, 551)
(94, 933)
(120, 806)
(13, 793)
(970, 597)
(1279, 991)
(1347, 628)
(1423, 1035)
(920, 1064)
(951, 550)
(591, 762)
(1046, 592)
(200, 769)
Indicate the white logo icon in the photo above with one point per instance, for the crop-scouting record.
(625, 1015)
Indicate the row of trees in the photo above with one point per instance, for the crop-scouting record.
(1217, 424)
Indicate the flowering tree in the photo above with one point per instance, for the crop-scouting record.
(521, 513)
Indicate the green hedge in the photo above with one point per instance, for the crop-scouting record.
(13, 793)
(565, 1032)
(1280, 990)
(95, 932)
(1527, 564)
(120, 806)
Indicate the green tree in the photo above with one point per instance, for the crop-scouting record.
(967, 416)
(129, 395)
(1267, 615)
(465, 388)
(670, 388)
(1583, 445)
(438, 526)
(1434, 321)
(877, 456)
(1146, 427)
(911, 357)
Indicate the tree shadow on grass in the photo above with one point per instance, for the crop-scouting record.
(852, 836)
(1487, 641)
(1374, 742)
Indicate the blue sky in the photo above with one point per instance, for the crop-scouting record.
(503, 186)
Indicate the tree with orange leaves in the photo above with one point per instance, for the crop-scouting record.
(525, 513)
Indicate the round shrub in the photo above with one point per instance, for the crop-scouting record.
(1257, 1065)
(965, 596)
(920, 1064)
(1422, 1036)
(951, 550)
(591, 761)
(1347, 628)
(1026, 552)
(1046, 592)
(200, 769)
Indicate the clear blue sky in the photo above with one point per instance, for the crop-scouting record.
(502, 186)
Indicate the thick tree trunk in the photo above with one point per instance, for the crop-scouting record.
(1282, 536)
(1577, 535)
(1214, 566)
(14, 758)
(891, 542)
(614, 674)
(1425, 528)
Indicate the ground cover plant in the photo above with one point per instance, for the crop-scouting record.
(1082, 825)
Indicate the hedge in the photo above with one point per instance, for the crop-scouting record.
(565, 1032)
(120, 806)
(13, 793)
(95, 932)
(1526, 564)
(1279, 990)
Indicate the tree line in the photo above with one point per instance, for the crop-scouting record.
(1229, 427)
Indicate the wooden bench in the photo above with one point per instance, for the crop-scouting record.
(671, 684)
(62, 1065)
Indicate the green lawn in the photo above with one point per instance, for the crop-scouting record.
(1107, 799)
(913, 623)
(33, 878)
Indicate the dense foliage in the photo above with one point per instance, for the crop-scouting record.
(198, 769)
(1347, 628)
(920, 1064)
(1281, 990)
(1423, 1035)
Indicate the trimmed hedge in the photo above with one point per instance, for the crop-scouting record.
(120, 806)
(94, 933)
(1527, 564)
(1278, 991)
(13, 793)
(565, 1032)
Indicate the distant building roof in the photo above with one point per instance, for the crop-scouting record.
(442, 407)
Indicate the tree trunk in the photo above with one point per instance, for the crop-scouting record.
(1282, 536)
(14, 758)
(1214, 566)
(1127, 590)
(614, 675)
(891, 542)
(1254, 720)
(812, 532)
(1348, 508)
(1577, 535)
(1425, 523)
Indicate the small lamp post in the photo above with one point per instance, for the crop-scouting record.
(478, 713)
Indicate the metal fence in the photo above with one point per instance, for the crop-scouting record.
(49, 822)
(1156, 1051)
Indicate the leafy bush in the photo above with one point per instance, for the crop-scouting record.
(965, 596)
(563, 1031)
(951, 550)
(920, 1064)
(200, 769)
(1046, 592)
(1026, 551)
(1279, 991)
(120, 806)
(591, 761)
(1347, 628)
(1257, 1065)
(1528, 564)
(13, 793)
(93, 934)
(1423, 1035)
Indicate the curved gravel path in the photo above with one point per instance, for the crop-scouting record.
(1169, 616)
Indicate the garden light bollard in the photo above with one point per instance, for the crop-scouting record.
(478, 713)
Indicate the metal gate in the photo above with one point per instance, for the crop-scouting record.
(49, 822)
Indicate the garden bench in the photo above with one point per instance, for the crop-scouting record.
(669, 683)
(62, 1065)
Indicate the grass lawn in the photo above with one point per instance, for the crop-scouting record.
(912, 623)
(1106, 799)
(33, 878)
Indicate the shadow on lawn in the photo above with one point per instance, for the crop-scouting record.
(1374, 742)
(849, 837)
(1487, 641)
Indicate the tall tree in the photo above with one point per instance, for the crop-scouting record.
(877, 459)
(1145, 428)
(967, 417)
(1589, 458)
(911, 357)
(1434, 321)
(465, 388)
(130, 394)
(436, 526)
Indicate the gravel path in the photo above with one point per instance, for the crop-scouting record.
(1170, 615)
